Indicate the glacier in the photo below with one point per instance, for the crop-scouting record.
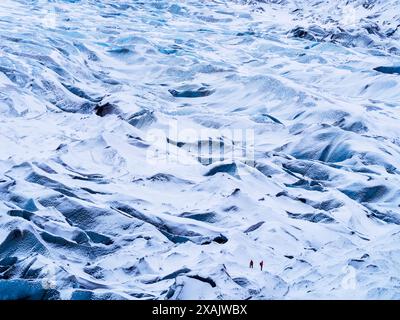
(120, 122)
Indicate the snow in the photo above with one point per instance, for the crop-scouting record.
(150, 150)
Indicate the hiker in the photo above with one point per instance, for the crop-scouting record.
(261, 265)
(251, 264)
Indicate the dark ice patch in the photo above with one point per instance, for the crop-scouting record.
(106, 109)
(266, 169)
(45, 167)
(326, 205)
(220, 239)
(85, 217)
(21, 243)
(208, 280)
(209, 217)
(353, 126)
(308, 185)
(95, 271)
(361, 193)
(80, 93)
(230, 169)
(175, 274)
(254, 227)
(265, 118)
(26, 290)
(58, 241)
(349, 40)
(163, 177)
(302, 33)
(142, 118)
(386, 216)
(99, 238)
(81, 294)
(312, 217)
(243, 282)
(120, 51)
(356, 263)
(388, 70)
(27, 215)
(310, 169)
(50, 183)
(191, 92)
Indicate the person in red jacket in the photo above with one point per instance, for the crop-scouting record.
(251, 264)
(261, 265)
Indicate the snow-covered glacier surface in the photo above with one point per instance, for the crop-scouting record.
(117, 119)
